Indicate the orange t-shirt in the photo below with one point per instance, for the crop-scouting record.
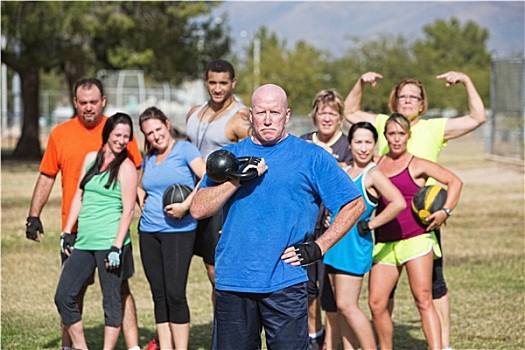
(68, 145)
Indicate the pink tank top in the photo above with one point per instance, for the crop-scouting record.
(404, 225)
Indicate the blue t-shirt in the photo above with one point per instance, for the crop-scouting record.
(175, 169)
(275, 211)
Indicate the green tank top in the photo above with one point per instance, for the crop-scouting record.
(100, 215)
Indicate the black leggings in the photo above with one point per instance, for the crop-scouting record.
(166, 258)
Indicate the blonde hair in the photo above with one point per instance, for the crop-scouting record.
(329, 98)
(400, 120)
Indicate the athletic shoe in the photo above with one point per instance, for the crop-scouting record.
(153, 345)
(316, 343)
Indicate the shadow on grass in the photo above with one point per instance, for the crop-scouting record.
(200, 338)
(404, 335)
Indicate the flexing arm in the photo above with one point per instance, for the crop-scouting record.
(460, 126)
(353, 112)
(387, 190)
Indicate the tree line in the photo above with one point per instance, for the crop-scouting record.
(173, 40)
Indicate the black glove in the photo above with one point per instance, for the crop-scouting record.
(113, 257)
(308, 253)
(247, 169)
(33, 227)
(363, 228)
(67, 241)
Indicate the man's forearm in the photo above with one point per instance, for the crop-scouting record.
(41, 193)
(207, 201)
(343, 222)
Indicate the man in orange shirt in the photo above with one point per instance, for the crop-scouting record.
(67, 147)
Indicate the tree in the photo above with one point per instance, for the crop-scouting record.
(388, 55)
(453, 46)
(301, 71)
(164, 38)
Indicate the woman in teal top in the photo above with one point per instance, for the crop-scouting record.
(104, 205)
(351, 258)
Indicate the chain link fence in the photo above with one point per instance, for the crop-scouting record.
(506, 139)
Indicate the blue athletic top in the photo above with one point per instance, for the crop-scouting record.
(275, 211)
(174, 169)
(353, 253)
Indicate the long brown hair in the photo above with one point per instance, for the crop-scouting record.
(114, 166)
(154, 113)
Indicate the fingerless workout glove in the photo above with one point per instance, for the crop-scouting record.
(113, 257)
(363, 228)
(33, 226)
(308, 253)
(67, 241)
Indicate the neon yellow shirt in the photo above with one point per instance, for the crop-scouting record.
(427, 139)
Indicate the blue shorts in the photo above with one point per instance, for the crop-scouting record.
(240, 317)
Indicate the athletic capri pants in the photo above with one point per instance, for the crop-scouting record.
(439, 286)
(240, 317)
(76, 271)
(129, 266)
(207, 237)
(166, 258)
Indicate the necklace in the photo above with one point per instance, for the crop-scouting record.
(201, 134)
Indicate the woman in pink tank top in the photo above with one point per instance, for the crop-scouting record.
(405, 242)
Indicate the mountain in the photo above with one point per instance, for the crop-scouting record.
(329, 25)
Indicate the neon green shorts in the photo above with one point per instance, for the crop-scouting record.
(399, 252)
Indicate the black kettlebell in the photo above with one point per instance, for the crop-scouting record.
(219, 163)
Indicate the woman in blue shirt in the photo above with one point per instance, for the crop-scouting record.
(167, 234)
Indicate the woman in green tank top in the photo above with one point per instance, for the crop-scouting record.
(103, 205)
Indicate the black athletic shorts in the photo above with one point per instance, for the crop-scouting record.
(207, 237)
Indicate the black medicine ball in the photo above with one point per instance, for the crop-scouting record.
(175, 194)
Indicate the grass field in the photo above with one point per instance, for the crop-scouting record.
(484, 259)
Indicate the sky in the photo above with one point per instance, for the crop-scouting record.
(329, 25)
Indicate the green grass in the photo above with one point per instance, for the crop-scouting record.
(484, 267)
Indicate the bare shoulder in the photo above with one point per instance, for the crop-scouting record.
(376, 175)
(239, 126)
(243, 113)
(128, 165)
(91, 156)
(191, 111)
